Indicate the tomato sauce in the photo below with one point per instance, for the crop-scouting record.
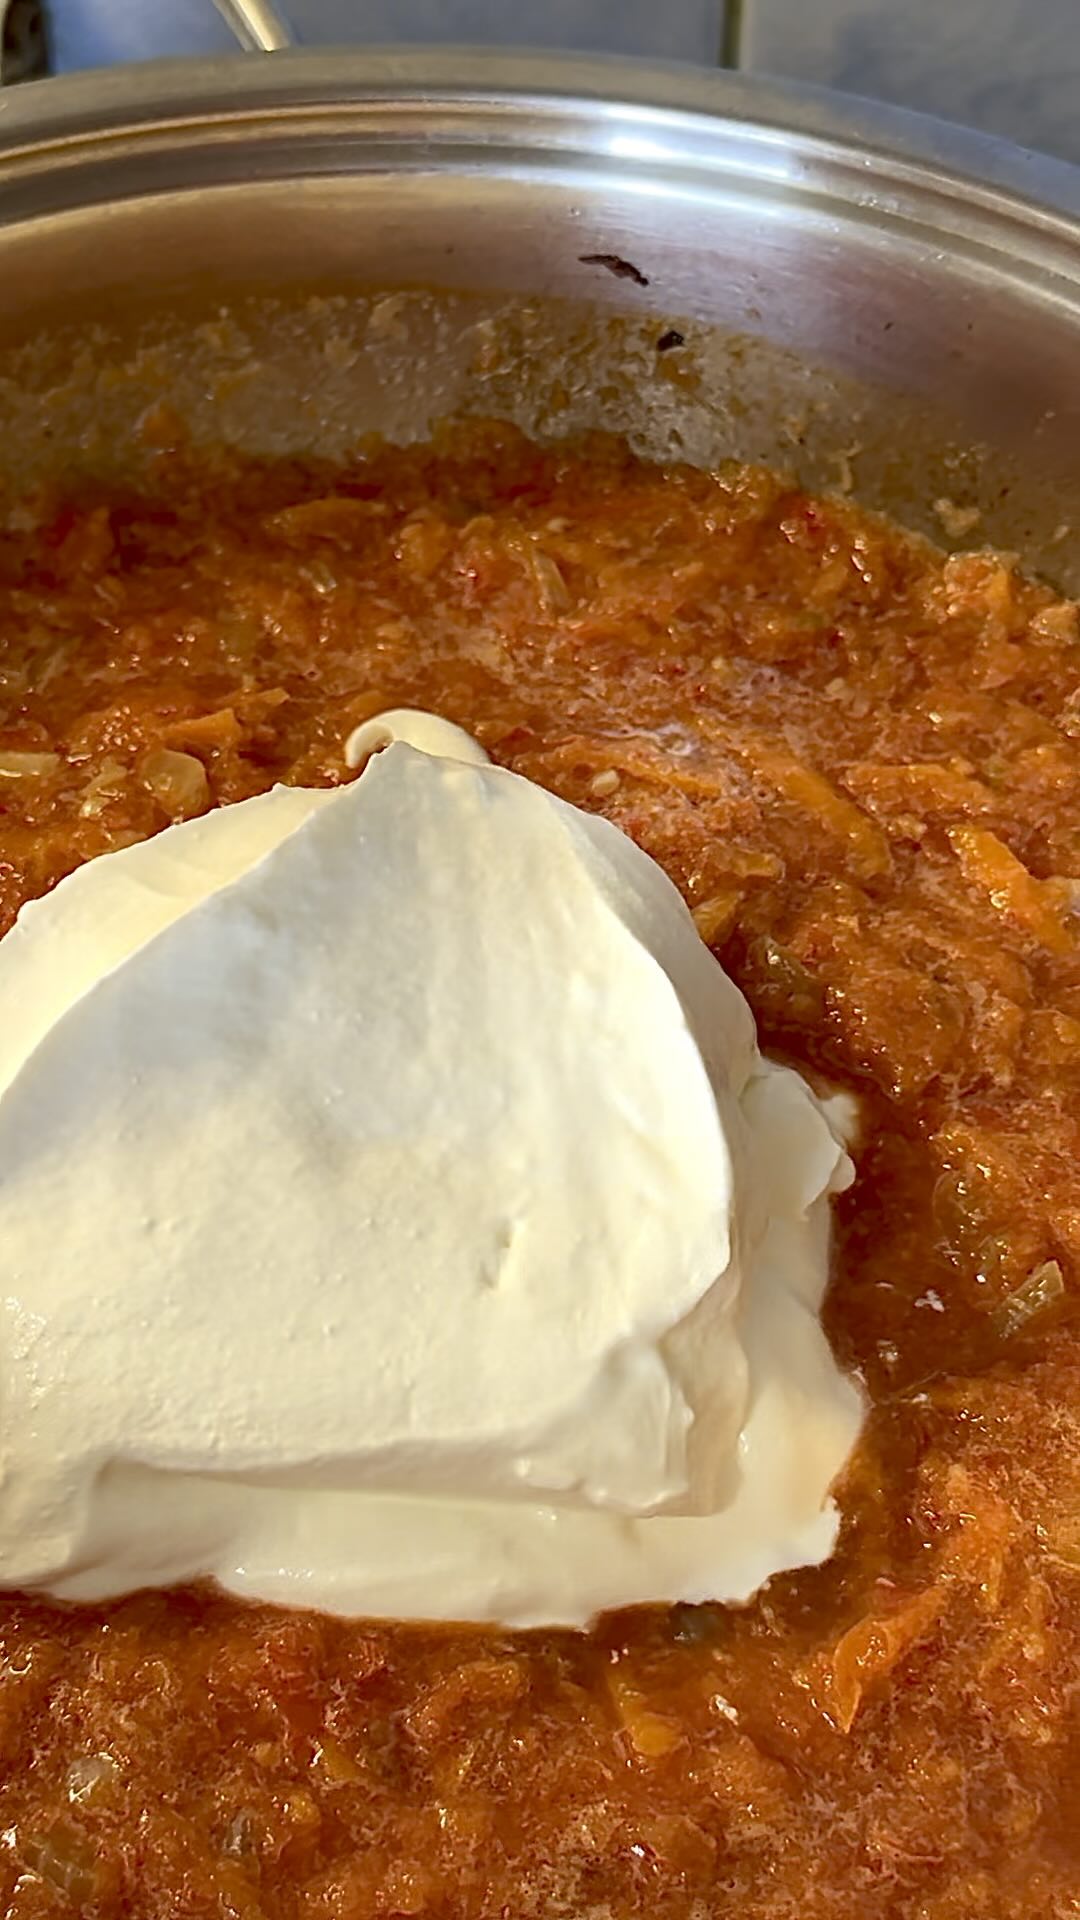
(859, 759)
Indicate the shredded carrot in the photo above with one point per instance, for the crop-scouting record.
(812, 794)
(1038, 905)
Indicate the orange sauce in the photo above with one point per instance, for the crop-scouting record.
(858, 759)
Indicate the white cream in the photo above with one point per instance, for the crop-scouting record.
(398, 1218)
(415, 728)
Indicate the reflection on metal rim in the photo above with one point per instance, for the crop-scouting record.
(538, 89)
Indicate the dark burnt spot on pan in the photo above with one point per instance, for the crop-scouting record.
(669, 339)
(614, 263)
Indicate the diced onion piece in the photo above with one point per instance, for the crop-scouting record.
(551, 588)
(65, 1859)
(1044, 1285)
(27, 766)
(177, 781)
(603, 785)
(715, 917)
(107, 784)
(336, 517)
(320, 574)
(89, 1773)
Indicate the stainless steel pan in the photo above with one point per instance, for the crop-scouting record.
(292, 252)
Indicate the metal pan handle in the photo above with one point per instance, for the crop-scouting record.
(258, 25)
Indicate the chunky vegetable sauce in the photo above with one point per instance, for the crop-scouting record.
(860, 761)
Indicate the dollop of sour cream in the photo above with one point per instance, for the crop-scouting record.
(399, 1218)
